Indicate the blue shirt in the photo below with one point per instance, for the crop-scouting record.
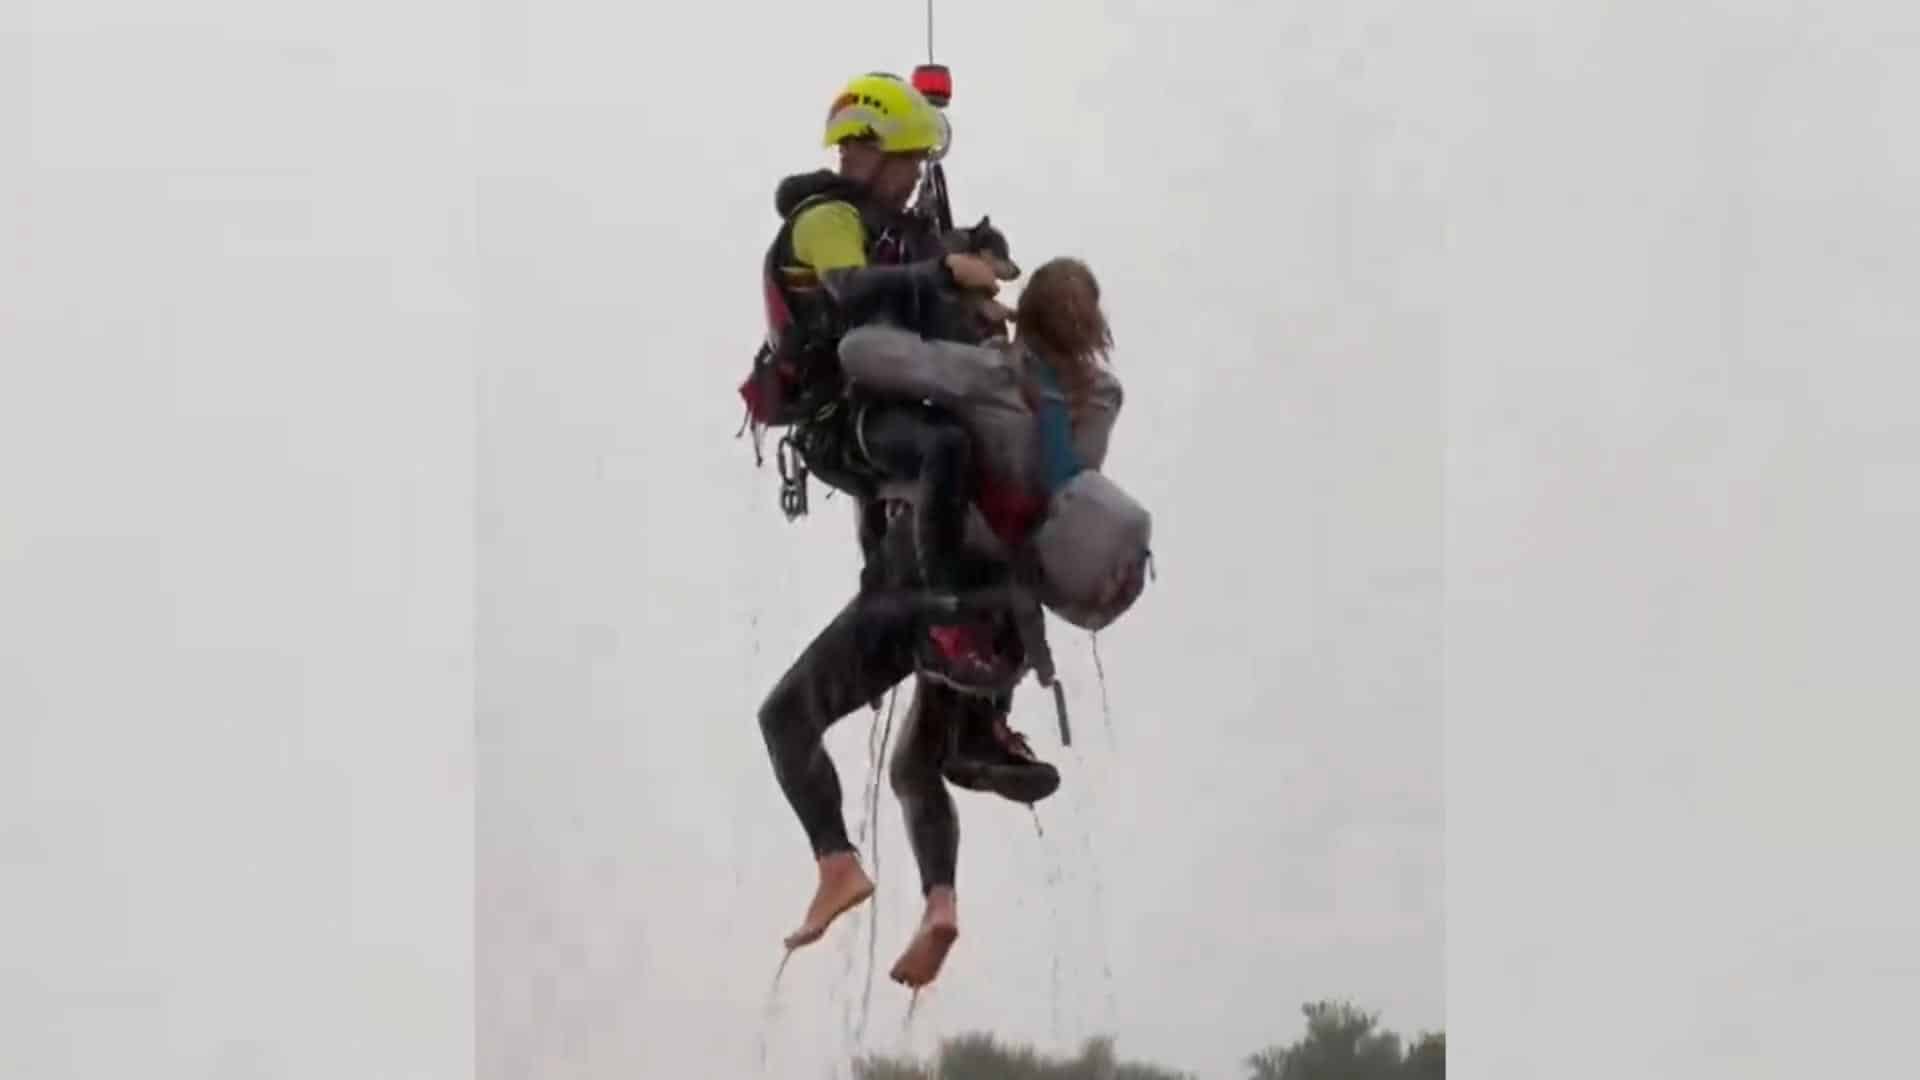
(1059, 462)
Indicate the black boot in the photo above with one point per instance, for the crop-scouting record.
(987, 755)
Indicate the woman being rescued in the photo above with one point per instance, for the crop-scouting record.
(1041, 409)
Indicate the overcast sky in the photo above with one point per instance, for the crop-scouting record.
(385, 601)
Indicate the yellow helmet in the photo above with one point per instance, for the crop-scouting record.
(888, 108)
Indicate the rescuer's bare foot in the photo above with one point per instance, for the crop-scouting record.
(921, 961)
(843, 884)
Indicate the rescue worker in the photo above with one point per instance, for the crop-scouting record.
(848, 253)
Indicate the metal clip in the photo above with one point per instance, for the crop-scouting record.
(793, 480)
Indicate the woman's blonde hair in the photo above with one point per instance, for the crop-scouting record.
(1059, 315)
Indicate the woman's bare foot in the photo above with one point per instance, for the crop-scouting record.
(843, 884)
(921, 961)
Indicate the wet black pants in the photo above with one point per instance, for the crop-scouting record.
(870, 646)
(862, 653)
(928, 735)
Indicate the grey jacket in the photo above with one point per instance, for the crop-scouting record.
(1092, 527)
(982, 384)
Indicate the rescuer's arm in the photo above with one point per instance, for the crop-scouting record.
(831, 239)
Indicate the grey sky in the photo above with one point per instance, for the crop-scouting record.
(384, 601)
(1683, 493)
(236, 556)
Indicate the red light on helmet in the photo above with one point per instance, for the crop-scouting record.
(935, 83)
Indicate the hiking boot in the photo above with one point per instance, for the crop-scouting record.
(995, 758)
(964, 656)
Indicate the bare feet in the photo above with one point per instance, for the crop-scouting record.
(843, 884)
(920, 963)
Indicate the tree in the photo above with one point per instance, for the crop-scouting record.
(1341, 1043)
(1427, 1060)
(1345, 1043)
(979, 1056)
